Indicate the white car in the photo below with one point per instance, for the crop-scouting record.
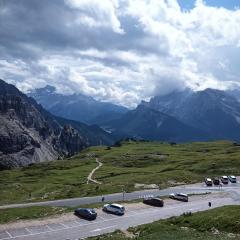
(114, 208)
(232, 179)
(208, 181)
(224, 179)
(179, 196)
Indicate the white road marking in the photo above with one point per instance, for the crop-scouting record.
(81, 223)
(100, 229)
(65, 226)
(51, 229)
(28, 230)
(9, 234)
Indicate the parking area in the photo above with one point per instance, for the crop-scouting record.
(34, 230)
(66, 225)
(134, 213)
(80, 228)
(137, 213)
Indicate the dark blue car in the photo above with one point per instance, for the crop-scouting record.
(87, 213)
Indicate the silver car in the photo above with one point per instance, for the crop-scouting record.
(114, 208)
(179, 196)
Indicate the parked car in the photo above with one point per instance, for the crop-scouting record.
(154, 201)
(208, 181)
(86, 213)
(216, 181)
(179, 196)
(224, 179)
(232, 179)
(114, 208)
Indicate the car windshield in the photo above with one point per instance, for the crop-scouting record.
(182, 195)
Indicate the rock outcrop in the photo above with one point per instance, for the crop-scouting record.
(29, 134)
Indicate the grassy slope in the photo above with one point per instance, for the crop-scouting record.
(133, 162)
(15, 214)
(197, 226)
(153, 162)
(46, 181)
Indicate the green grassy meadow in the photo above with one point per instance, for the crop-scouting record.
(29, 213)
(133, 162)
(220, 223)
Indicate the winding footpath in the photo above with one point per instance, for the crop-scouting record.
(89, 178)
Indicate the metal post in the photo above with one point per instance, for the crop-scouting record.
(123, 193)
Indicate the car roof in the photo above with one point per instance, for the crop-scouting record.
(183, 194)
(85, 209)
(232, 176)
(116, 205)
(224, 176)
(208, 179)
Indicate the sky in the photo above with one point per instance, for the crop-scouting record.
(120, 51)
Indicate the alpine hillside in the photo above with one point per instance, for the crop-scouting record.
(30, 134)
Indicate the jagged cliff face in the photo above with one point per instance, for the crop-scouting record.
(29, 134)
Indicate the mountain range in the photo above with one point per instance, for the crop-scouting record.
(215, 112)
(76, 107)
(149, 124)
(29, 133)
(178, 116)
(182, 116)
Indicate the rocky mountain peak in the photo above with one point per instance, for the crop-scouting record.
(29, 134)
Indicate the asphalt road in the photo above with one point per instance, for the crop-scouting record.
(78, 228)
(72, 202)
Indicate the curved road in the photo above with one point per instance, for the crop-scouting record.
(89, 178)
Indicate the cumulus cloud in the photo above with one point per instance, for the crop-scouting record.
(96, 13)
(121, 51)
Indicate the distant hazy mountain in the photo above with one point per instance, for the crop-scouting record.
(146, 123)
(235, 93)
(76, 106)
(93, 134)
(213, 111)
(29, 134)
